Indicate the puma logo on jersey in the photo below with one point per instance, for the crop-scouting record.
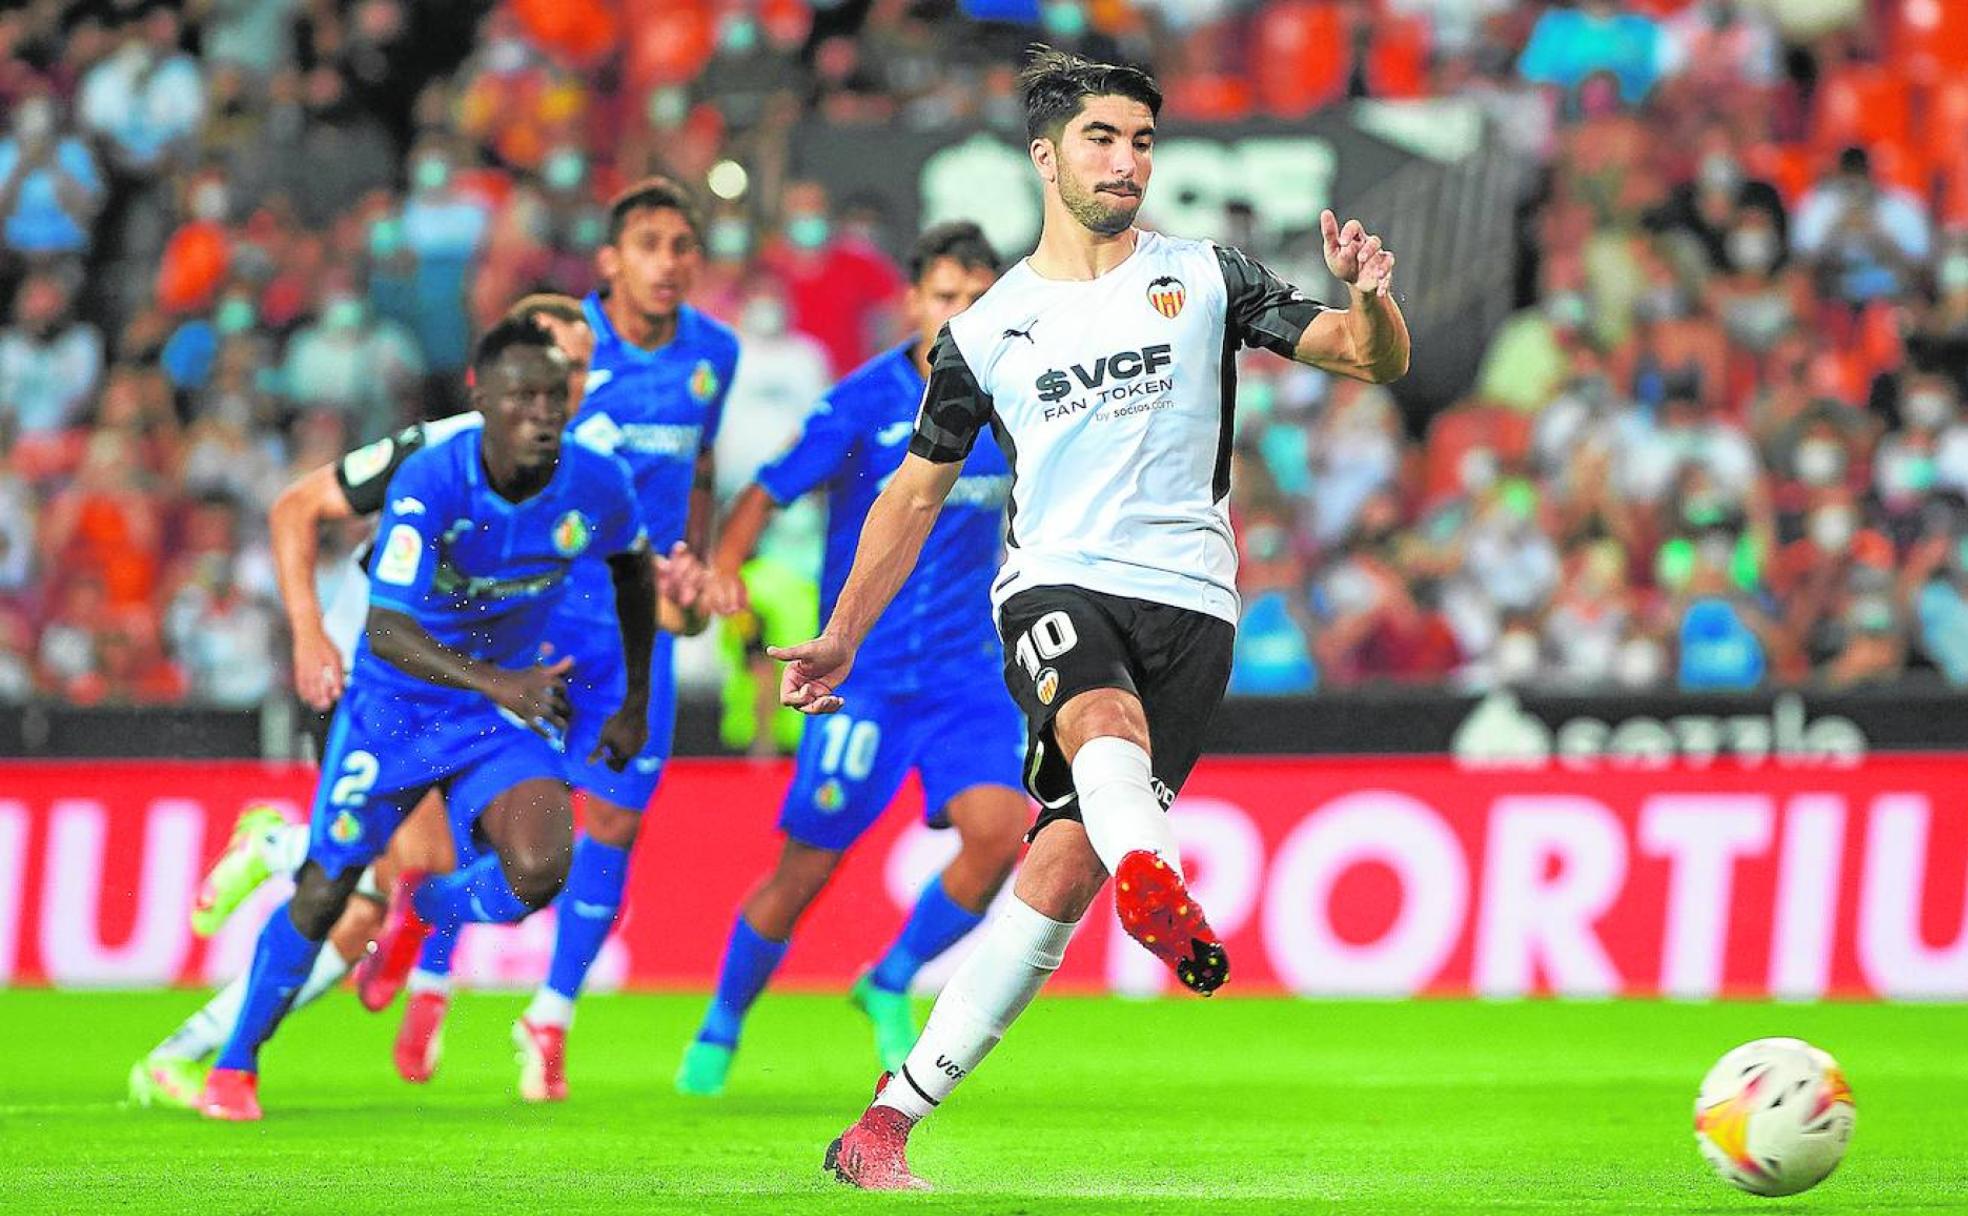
(1025, 333)
(1124, 365)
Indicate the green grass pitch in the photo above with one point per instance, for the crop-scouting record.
(1092, 1105)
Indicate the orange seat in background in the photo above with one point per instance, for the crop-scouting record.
(1301, 56)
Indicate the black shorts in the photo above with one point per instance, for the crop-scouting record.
(1062, 641)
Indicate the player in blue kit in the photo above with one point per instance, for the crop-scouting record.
(655, 392)
(921, 703)
(448, 689)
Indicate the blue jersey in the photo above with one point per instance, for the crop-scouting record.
(481, 574)
(939, 624)
(657, 410)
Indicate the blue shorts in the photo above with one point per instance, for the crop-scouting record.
(386, 749)
(594, 690)
(851, 763)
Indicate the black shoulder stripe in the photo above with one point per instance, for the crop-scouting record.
(954, 406)
(1263, 310)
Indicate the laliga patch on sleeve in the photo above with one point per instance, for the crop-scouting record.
(365, 462)
(401, 554)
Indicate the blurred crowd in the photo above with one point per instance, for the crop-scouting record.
(1720, 444)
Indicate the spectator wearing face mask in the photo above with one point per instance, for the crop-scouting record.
(1708, 207)
(1940, 607)
(1867, 240)
(355, 363)
(841, 289)
(439, 233)
(50, 363)
(146, 100)
(50, 188)
(1272, 655)
(1530, 353)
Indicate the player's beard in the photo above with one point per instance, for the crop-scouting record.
(1093, 211)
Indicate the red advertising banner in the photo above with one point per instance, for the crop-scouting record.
(1327, 877)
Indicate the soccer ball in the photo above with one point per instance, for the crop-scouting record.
(1774, 1116)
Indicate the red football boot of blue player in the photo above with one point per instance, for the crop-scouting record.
(381, 975)
(231, 1094)
(1155, 907)
(420, 1039)
(542, 1052)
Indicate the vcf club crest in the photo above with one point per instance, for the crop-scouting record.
(1166, 295)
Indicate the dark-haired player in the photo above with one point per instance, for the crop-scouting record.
(917, 702)
(656, 386)
(472, 560)
(1103, 364)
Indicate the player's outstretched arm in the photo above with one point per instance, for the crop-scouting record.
(1368, 340)
(294, 526)
(537, 695)
(627, 729)
(891, 541)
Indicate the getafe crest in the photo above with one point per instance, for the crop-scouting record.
(1166, 295)
(570, 534)
(704, 381)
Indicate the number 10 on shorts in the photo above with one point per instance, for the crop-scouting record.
(1049, 637)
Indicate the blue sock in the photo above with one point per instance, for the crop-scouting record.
(587, 908)
(937, 923)
(478, 893)
(435, 957)
(749, 961)
(281, 963)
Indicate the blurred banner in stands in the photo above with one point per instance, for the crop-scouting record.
(1327, 876)
(1433, 181)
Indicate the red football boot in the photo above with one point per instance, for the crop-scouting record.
(420, 1039)
(873, 1154)
(231, 1094)
(542, 1061)
(1157, 910)
(380, 975)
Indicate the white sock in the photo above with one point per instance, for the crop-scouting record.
(207, 1030)
(1118, 803)
(1020, 950)
(549, 1008)
(285, 848)
(329, 968)
(368, 887)
(429, 981)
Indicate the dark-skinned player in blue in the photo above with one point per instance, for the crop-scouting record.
(448, 690)
(918, 701)
(655, 390)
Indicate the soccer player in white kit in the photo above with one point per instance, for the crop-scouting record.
(1104, 366)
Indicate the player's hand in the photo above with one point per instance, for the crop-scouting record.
(318, 670)
(623, 736)
(813, 671)
(681, 578)
(1355, 256)
(574, 338)
(537, 695)
(726, 594)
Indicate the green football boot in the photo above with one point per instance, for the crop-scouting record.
(895, 1021)
(238, 872)
(704, 1068)
(167, 1081)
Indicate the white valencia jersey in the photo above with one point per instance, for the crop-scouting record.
(1112, 398)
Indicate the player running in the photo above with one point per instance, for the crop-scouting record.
(448, 691)
(656, 386)
(917, 703)
(1104, 365)
(262, 842)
